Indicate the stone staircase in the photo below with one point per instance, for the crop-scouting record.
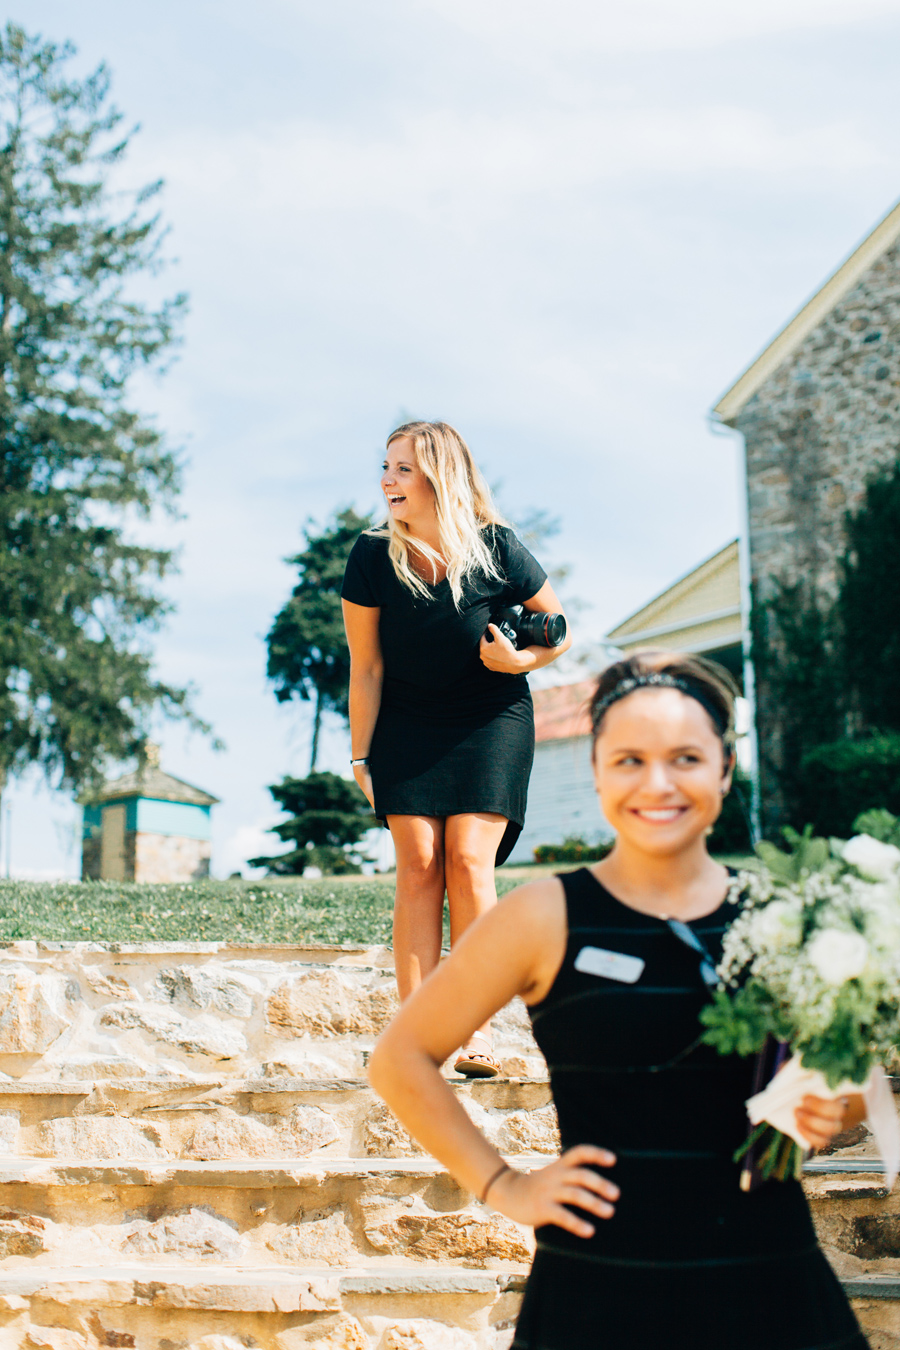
(192, 1158)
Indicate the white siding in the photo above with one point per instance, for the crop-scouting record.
(561, 798)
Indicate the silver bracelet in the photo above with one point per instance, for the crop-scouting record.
(354, 762)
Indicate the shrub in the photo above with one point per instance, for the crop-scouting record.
(731, 832)
(572, 850)
(841, 779)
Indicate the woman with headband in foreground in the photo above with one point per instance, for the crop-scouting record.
(644, 1236)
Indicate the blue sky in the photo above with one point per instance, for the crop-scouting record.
(566, 228)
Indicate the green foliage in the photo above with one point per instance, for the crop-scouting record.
(827, 675)
(880, 825)
(308, 655)
(738, 1022)
(796, 645)
(869, 603)
(75, 685)
(841, 779)
(805, 854)
(573, 849)
(328, 814)
(731, 832)
(841, 1053)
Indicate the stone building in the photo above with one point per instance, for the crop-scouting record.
(819, 413)
(147, 826)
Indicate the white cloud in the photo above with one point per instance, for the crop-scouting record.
(248, 841)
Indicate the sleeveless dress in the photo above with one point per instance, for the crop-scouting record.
(452, 737)
(688, 1260)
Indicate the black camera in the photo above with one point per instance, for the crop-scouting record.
(524, 628)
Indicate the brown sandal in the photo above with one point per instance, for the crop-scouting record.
(477, 1063)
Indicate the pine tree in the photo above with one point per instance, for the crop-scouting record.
(328, 815)
(308, 655)
(869, 603)
(78, 464)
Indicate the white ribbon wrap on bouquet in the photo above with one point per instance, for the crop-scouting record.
(777, 1103)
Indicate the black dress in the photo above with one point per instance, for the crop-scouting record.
(688, 1260)
(452, 737)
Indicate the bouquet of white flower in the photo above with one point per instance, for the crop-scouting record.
(812, 962)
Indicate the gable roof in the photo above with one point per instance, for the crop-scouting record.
(785, 343)
(700, 611)
(152, 782)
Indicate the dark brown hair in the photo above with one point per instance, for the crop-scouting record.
(707, 681)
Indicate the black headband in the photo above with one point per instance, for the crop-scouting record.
(660, 680)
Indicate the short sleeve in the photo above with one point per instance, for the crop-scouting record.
(360, 581)
(524, 574)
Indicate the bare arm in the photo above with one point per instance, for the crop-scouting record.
(502, 655)
(366, 677)
(529, 928)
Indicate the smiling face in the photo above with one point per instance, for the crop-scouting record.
(409, 494)
(658, 766)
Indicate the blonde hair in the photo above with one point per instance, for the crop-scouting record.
(464, 507)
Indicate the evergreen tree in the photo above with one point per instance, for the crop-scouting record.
(308, 655)
(869, 604)
(76, 462)
(328, 815)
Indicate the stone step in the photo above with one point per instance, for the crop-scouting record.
(324, 1214)
(857, 1219)
(280, 1118)
(159, 1307)
(92, 1012)
(333, 1211)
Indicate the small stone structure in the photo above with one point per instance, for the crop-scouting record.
(147, 826)
(819, 411)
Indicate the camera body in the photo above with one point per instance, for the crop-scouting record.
(523, 628)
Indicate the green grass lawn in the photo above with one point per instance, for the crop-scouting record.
(333, 909)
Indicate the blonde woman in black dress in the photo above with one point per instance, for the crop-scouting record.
(441, 719)
(644, 1236)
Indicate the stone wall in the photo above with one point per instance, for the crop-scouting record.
(152, 858)
(167, 857)
(815, 432)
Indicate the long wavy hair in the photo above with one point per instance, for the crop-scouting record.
(464, 508)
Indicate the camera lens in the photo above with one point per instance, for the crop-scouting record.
(555, 630)
(542, 630)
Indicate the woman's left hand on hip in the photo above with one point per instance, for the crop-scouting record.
(500, 654)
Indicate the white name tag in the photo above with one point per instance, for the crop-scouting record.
(613, 965)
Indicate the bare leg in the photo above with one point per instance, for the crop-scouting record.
(471, 843)
(419, 903)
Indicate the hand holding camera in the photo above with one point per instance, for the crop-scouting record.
(526, 628)
(513, 630)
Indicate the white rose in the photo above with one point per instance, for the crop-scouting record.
(882, 914)
(837, 955)
(776, 925)
(879, 862)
